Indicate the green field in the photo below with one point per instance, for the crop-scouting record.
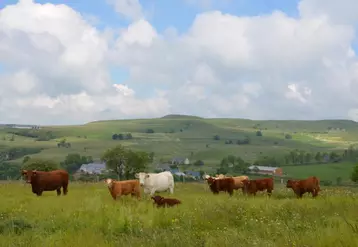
(89, 217)
(324, 171)
(192, 137)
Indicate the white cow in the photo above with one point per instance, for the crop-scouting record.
(152, 182)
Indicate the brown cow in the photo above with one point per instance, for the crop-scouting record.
(222, 184)
(300, 187)
(126, 187)
(239, 182)
(252, 186)
(162, 202)
(47, 181)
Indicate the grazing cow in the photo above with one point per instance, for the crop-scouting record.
(47, 181)
(253, 186)
(156, 182)
(300, 187)
(222, 184)
(126, 187)
(162, 202)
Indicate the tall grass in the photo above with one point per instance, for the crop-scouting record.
(88, 216)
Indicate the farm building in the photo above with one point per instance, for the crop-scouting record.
(180, 161)
(93, 168)
(277, 171)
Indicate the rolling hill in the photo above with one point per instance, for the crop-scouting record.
(184, 136)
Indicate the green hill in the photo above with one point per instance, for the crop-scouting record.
(184, 136)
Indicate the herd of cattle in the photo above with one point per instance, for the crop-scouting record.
(158, 182)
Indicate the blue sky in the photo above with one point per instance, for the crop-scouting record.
(176, 13)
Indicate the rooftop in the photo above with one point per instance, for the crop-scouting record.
(264, 168)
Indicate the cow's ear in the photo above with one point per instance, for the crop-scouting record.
(34, 173)
(24, 172)
(147, 176)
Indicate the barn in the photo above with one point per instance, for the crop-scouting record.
(266, 170)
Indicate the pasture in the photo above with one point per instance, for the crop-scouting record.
(88, 216)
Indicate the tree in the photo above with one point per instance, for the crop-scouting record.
(354, 175)
(258, 133)
(74, 161)
(125, 162)
(216, 137)
(26, 158)
(40, 165)
(198, 163)
(318, 157)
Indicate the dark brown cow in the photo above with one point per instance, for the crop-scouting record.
(162, 202)
(251, 187)
(47, 181)
(226, 184)
(300, 187)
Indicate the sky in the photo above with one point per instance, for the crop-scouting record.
(76, 61)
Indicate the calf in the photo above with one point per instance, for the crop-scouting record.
(300, 187)
(162, 202)
(126, 187)
(223, 184)
(251, 187)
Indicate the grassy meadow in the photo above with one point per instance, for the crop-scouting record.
(89, 217)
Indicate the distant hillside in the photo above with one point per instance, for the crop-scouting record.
(179, 116)
(193, 137)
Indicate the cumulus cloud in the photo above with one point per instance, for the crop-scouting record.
(129, 9)
(270, 66)
(56, 69)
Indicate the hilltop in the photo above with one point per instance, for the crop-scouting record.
(206, 139)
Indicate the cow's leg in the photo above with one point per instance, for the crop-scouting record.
(39, 193)
(171, 190)
(65, 188)
(231, 192)
(269, 193)
(152, 191)
(58, 191)
(314, 193)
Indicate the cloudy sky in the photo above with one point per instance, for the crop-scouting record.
(75, 61)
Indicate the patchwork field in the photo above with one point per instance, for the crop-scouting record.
(88, 216)
(192, 137)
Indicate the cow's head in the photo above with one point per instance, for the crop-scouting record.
(29, 175)
(290, 183)
(109, 182)
(141, 176)
(210, 180)
(157, 198)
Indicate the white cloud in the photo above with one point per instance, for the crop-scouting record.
(57, 69)
(343, 12)
(130, 9)
(269, 66)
